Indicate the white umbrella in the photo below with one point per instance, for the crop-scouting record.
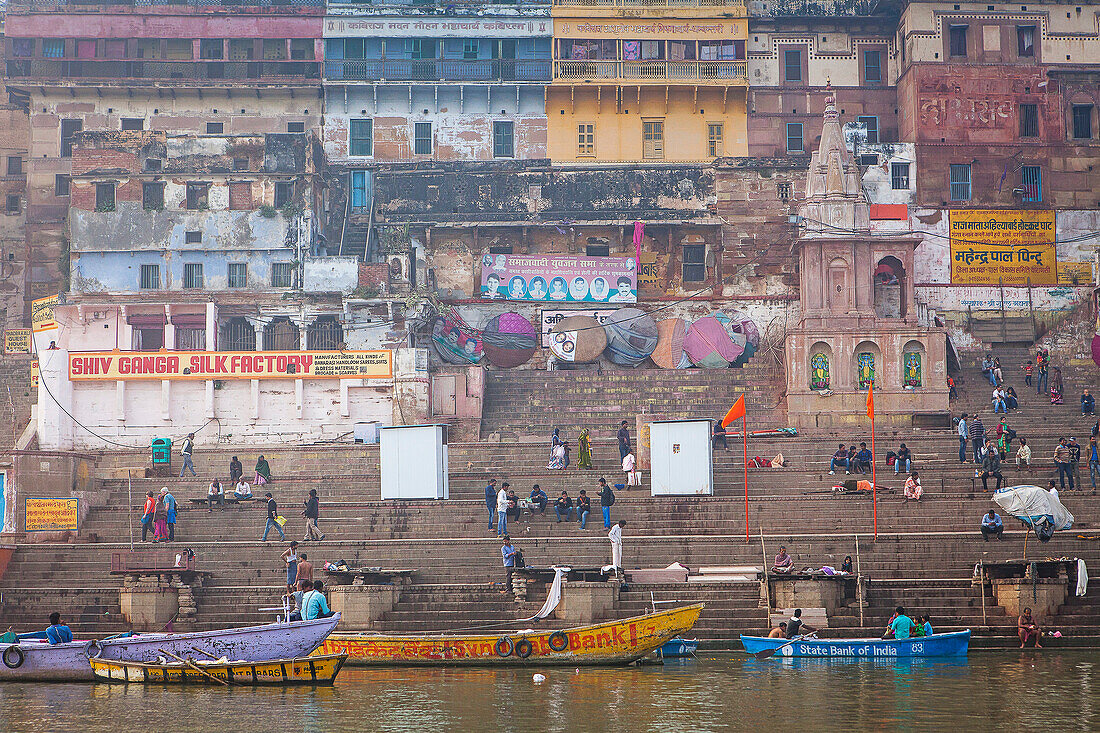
(1033, 506)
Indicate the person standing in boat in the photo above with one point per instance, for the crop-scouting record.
(58, 633)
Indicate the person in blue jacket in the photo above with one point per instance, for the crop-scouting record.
(170, 507)
(58, 633)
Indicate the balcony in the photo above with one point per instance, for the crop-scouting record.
(452, 70)
(653, 72)
(134, 71)
(734, 7)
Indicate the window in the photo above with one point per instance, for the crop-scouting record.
(12, 204)
(422, 138)
(1031, 179)
(653, 139)
(794, 137)
(282, 275)
(190, 338)
(783, 191)
(960, 182)
(153, 165)
(695, 262)
(872, 67)
(470, 49)
(194, 237)
(597, 250)
(152, 196)
(211, 48)
(362, 137)
(69, 128)
(792, 65)
(872, 128)
(214, 128)
(53, 48)
(899, 176)
(503, 140)
(500, 249)
(237, 274)
(192, 275)
(284, 194)
(1029, 120)
(133, 123)
(237, 335)
(1025, 41)
(957, 40)
(281, 335)
(240, 195)
(1082, 122)
(240, 164)
(150, 277)
(586, 139)
(61, 185)
(715, 139)
(867, 159)
(105, 197)
(295, 127)
(422, 48)
(325, 334)
(198, 195)
(148, 338)
(15, 165)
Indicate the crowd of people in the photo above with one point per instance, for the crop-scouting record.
(504, 505)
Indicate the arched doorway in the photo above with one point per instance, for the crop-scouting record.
(889, 288)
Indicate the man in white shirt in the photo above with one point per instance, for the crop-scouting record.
(616, 537)
(502, 510)
(242, 490)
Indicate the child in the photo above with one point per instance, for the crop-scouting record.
(1028, 366)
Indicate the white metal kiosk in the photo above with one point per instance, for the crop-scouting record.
(413, 461)
(681, 458)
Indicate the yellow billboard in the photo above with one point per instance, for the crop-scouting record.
(52, 515)
(42, 313)
(17, 341)
(1075, 273)
(995, 246)
(125, 365)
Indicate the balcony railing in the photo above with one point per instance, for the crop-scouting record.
(159, 70)
(439, 70)
(656, 71)
(731, 6)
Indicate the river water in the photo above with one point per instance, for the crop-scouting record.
(1048, 690)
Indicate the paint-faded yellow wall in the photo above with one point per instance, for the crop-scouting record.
(687, 113)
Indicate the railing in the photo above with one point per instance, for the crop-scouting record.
(131, 69)
(440, 70)
(651, 70)
(152, 560)
(732, 6)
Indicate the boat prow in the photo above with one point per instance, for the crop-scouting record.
(951, 644)
(607, 643)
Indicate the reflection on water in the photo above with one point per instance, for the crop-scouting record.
(1052, 690)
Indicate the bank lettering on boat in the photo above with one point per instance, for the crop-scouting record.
(847, 650)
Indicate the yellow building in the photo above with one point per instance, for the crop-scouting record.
(647, 80)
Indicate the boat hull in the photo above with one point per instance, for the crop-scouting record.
(938, 645)
(677, 647)
(609, 643)
(318, 670)
(68, 662)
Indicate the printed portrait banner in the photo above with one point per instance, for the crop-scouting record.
(559, 278)
(17, 341)
(42, 313)
(552, 318)
(990, 246)
(52, 515)
(115, 365)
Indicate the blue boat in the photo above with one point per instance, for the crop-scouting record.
(952, 644)
(678, 647)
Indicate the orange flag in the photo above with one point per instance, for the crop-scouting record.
(871, 400)
(736, 412)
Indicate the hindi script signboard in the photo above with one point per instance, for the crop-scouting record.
(992, 246)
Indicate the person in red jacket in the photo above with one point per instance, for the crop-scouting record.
(147, 515)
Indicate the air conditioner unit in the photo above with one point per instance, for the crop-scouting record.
(400, 268)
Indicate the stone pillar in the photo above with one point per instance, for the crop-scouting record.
(788, 592)
(361, 606)
(1043, 596)
(148, 602)
(585, 602)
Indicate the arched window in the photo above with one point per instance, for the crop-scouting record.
(237, 334)
(912, 364)
(889, 288)
(820, 358)
(867, 357)
(281, 335)
(325, 334)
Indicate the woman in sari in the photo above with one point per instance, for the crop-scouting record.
(263, 472)
(160, 520)
(1056, 387)
(584, 460)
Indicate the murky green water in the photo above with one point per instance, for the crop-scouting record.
(1051, 691)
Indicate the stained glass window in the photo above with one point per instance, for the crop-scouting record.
(819, 371)
(866, 362)
(912, 369)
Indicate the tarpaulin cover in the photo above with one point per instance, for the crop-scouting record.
(1033, 505)
(631, 336)
(1096, 349)
(710, 346)
(669, 353)
(579, 339)
(509, 340)
(456, 341)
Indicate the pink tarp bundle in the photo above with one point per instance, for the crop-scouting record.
(709, 345)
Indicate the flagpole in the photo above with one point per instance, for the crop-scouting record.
(745, 435)
(874, 485)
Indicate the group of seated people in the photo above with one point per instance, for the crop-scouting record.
(784, 563)
(851, 460)
(565, 508)
(902, 626)
(241, 492)
(1004, 399)
(309, 601)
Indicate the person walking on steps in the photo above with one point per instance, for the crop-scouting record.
(186, 450)
(311, 513)
(607, 499)
(272, 518)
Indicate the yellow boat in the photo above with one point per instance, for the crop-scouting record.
(318, 670)
(608, 643)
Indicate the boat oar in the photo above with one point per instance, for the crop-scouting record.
(765, 653)
(193, 666)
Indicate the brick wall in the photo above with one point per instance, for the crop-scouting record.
(16, 397)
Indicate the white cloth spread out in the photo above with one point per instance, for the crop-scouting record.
(1082, 578)
(553, 598)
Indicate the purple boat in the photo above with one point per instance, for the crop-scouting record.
(34, 659)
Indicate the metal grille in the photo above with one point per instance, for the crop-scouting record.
(1031, 177)
(192, 275)
(190, 339)
(282, 275)
(325, 334)
(238, 335)
(281, 335)
(899, 176)
(422, 134)
(1029, 120)
(150, 277)
(960, 182)
(237, 274)
(148, 339)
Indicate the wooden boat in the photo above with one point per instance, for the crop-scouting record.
(318, 670)
(34, 659)
(679, 647)
(607, 643)
(955, 643)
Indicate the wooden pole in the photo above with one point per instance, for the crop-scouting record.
(981, 577)
(745, 436)
(130, 504)
(767, 594)
(874, 484)
(859, 583)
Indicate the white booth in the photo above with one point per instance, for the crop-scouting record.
(681, 458)
(413, 461)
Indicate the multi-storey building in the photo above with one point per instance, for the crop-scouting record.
(647, 81)
(14, 134)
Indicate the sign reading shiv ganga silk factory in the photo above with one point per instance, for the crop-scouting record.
(991, 246)
(120, 365)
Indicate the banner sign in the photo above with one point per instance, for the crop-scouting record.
(695, 29)
(124, 365)
(436, 27)
(51, 515)
(560, 278)
(1075, 273)
(552, 318)
(42, 313)
(17, 341)
(647, 270)
(990, 246)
